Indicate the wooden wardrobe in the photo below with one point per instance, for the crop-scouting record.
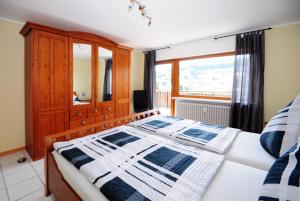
(53, 81)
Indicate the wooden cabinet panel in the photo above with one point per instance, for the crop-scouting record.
(122, 107)
(51, 70)
(47, 89)
(48, 124)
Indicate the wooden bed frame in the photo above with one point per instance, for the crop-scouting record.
(55, 183)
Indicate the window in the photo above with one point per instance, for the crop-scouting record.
(163, 87)
(207, 77)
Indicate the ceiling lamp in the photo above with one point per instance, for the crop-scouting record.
(142, 9)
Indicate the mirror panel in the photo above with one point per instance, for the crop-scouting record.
(82, 74)
(104, 92)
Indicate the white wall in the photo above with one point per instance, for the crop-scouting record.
(12, 114)
(137, 74)
(196, 48)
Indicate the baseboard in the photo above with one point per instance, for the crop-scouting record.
(12, 151)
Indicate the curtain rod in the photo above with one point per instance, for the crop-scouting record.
(157, 49)
(216, 38)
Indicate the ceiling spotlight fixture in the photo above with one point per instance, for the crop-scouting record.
(142, 9)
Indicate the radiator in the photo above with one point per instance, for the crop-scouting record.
(213, 112)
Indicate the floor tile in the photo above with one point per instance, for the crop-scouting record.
(38, 166)
(19, 176)
(2, 184)
(25, 188)
(42, 177)
(27, 156)
(12, 158)
(3, 195)
(14, 167)
(37, 196)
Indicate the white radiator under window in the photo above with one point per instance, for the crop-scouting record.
(208, 111)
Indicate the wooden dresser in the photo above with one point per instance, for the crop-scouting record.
(53, 74)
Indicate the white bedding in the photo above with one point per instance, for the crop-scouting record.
(233, 182)
(192, 133)
(123, 162)
(209, 137)
(239, 178)
(247, 150)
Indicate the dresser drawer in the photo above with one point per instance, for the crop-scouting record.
(92, 112)
(86, 132)
(78, 114)
(105, 117)
(82, 122)
(108, 109)
(104, 127)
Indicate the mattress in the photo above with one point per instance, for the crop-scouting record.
(247, 150)
(233, 182)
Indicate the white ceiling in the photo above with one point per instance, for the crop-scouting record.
(174, 21)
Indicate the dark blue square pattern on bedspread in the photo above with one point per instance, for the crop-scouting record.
(171, 160)
(120, 138)
(200, 134)
(76, 157)
(125, 192)
(167, 158)
(157, 124)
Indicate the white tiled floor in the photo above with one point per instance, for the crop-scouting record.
(22, 182)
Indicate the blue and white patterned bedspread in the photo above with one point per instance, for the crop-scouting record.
(125, 163)
(207, 136)
(162, 125)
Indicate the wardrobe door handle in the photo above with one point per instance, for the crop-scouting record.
(78, 114)
(83, 123)
(109, 108)
(106, 125)
(105, 117)
(95, 111)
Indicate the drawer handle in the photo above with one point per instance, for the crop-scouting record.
(84, 132)
(109, 108)
(78, 114)
(83, 122)
(95, 111)
(106, 125)
(105, 117)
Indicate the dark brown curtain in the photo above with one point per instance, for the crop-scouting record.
(107, 90)
(248, 84)
(149, 78)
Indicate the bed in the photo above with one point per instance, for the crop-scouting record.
(239, 177)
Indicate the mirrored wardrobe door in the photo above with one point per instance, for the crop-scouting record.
(105, 75)
(82, 74)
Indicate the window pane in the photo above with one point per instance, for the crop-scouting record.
(163, 88)
(163, 77)
(206, 77)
